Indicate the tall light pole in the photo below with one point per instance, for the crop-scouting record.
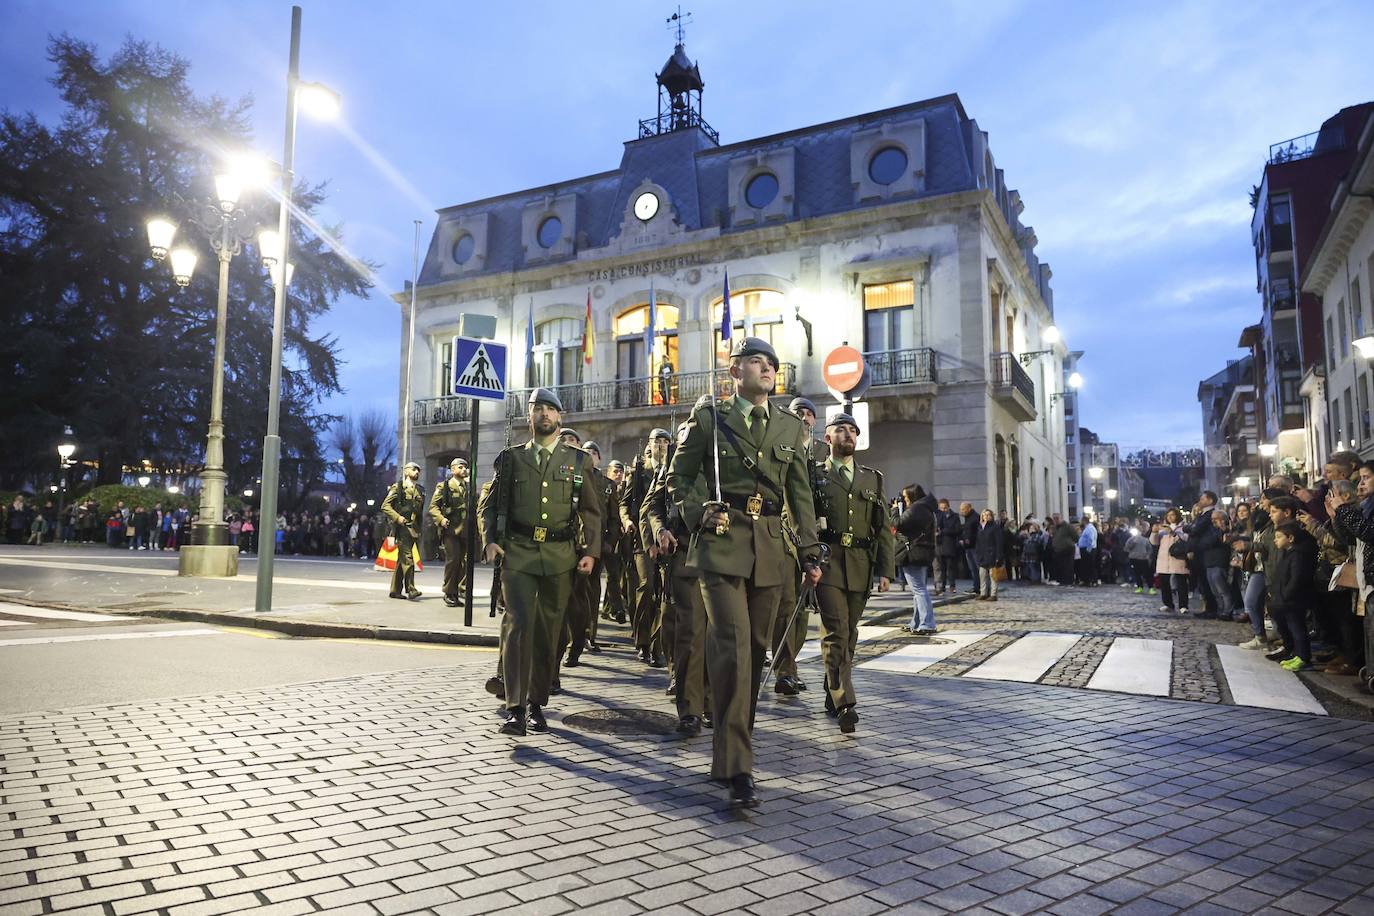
(1110, 493)
(322, 102)
(209, 553)
(1269, 450)
(65, 450)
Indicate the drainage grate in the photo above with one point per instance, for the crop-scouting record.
(623, 722)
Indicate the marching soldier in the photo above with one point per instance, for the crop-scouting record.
(669, 532)
(737, 542)
(787, 642)
(861, 544)
(586, 589)
(544, 521)
(612, 554)
(404, 502)
(449, 509)
(637, 484)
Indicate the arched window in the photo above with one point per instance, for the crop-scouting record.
(755, 312)
(632, 362)
(557, 352)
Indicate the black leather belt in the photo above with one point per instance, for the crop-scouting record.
(752, 505)
(540, 534)
(845, 539)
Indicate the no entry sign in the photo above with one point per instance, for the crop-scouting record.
(843, 368)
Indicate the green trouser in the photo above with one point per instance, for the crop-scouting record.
(581, 616)
(644, 623)
(455, 561)
(787, 643)
(739, 626)
(403, 576)
(840, 614)
(689, 634)
(665, 628)
(615, 581)
(529, 633)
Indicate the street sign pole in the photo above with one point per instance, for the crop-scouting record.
(469, 561)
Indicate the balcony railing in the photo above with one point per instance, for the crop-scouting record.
(1012, 386)
(677, 391)
(1307, 145)
(902, 367)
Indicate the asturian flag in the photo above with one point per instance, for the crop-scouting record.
(588, 333)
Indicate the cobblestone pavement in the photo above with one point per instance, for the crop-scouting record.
(392, 793)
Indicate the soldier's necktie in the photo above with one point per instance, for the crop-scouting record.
(845, 474)
(760, 415)
(542, 457)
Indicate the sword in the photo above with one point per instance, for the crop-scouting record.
(808, 593)
(718, 502)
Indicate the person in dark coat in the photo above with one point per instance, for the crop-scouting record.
(917, 525)
(989, 552)
(948, 528)
(968, 540)
(1294, 592)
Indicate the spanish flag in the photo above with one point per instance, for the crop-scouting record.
(588, 333)
(386, 558)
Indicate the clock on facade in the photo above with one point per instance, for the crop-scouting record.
(646, 205)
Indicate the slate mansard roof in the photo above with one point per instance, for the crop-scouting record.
(695, 174)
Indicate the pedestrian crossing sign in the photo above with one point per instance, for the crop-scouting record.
(479, 368)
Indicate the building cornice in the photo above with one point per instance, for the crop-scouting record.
(1351, 208)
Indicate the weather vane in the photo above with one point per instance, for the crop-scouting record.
(677, 21)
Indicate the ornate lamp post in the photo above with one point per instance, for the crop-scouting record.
(227, 227)
(65, 450)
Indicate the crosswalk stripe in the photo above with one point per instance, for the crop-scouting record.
(914, 659)
(95, 637)
(1027, 659)
(812, 647)
(13, 623)
(1135, 666)
(1256, 681)
(46, 613)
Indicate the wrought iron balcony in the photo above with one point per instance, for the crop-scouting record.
(1012, 386)
(676, 391)
(670, 121)
(902, 367)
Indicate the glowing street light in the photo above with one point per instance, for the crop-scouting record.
(1095, 472)
(1075, 381)
(144, 480)
(161, 231)
(1051, 335)
(183, 266)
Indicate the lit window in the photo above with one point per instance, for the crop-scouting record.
(901, 294)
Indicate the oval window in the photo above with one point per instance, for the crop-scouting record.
(887, 165)
(463, 249)
(761, 190)
(550, 231)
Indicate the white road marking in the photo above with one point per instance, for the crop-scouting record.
(88, 567)
(14, 623)
(1027, 659)
(1135, 666)
(93, 637)
(812, 647)
(917, 657)
(1256, 681)
(382, 584)
(46, 613)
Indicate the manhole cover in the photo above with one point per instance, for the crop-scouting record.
(623, 722)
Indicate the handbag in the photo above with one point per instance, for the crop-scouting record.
(1179, 549)
(129, 532)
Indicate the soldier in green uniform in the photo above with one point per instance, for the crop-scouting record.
(449, 510)
(612, 551)
(404, 503)
(586, 589)
(787, 642)
(737, 543)
(645, 614)
(669, 532)
(861, 546)
(544, 521)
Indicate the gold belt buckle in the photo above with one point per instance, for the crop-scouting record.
(541, 535)
(847, 539)
(754, 505)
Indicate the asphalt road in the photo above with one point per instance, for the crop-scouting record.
(97, 664)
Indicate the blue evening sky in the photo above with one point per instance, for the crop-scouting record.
(1134, 132)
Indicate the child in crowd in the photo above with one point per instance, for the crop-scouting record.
(1293, 594)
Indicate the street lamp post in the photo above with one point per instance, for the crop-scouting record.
(209, 553)
(1269, 450)
(65, 450)
(1110, 493)
(324, 103)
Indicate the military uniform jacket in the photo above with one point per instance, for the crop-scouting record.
(611, 533)
(536, 501)
(403, 505)
(450, 502)
(752, 547)
(632, 492)
(856, 529)
(661, 514)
